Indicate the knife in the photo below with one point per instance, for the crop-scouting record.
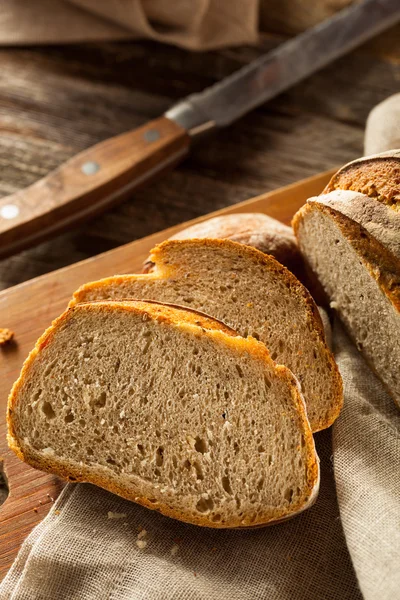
(106, 173)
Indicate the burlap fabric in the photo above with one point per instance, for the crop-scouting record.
(352, 533)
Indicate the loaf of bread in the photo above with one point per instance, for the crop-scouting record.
(252, 293)
(350, 237)
(253, 229)
(168, 408)
(376, 176)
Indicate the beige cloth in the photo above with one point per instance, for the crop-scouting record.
(193, 24)
(82, 554)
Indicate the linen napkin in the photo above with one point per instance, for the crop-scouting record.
(94, 545)
(194, 24)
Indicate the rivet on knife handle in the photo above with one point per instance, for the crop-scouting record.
(88, 183)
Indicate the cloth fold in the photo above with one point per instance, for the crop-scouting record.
(196, 25)
(92, 544)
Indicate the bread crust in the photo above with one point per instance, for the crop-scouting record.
(377, 176)
(175, 317)
(252, 229)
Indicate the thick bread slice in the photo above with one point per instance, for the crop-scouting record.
(376, 176)
(253, 229)
(167, 408)
(252, 293)
(362, 279)
(377, 218)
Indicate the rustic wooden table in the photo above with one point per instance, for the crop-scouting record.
(57, 101)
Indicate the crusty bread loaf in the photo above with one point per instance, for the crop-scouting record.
(168, 408)
(376, 176)
(352, 243)
(253, 229)
(252, 293)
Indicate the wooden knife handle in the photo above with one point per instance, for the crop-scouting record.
(89, 183)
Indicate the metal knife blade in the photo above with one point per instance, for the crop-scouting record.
(292, 61)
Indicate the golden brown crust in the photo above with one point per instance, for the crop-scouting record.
(174, 316)
(375, 176)
(252, 229)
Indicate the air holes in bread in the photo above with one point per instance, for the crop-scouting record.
(239, 370)
(99, 401)
(201, 445)
(48, 411)
(199, 471)
(226, 484)
(160, 456)
(205, 505)
(69, 417)
(289, 495)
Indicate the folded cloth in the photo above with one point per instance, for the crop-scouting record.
(198, 24)
(96, 545)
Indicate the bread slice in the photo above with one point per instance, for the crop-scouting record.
(252, 293)
(359, 273)
(376, 176)
(377, 218)
(253, 229)
(168, 408)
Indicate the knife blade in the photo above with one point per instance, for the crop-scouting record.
(104, 174)
(291, 62)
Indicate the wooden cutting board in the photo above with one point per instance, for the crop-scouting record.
(29, 308)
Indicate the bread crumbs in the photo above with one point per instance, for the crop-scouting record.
(141, 544)
(116, 515)
(174, 549)
(6, 335)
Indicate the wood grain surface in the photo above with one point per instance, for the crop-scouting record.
(29, 309)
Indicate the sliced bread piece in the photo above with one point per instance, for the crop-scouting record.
(249, 291)
(376, 176)
(360, 275)
(167, 408)
(377, 218)
(253, 229)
